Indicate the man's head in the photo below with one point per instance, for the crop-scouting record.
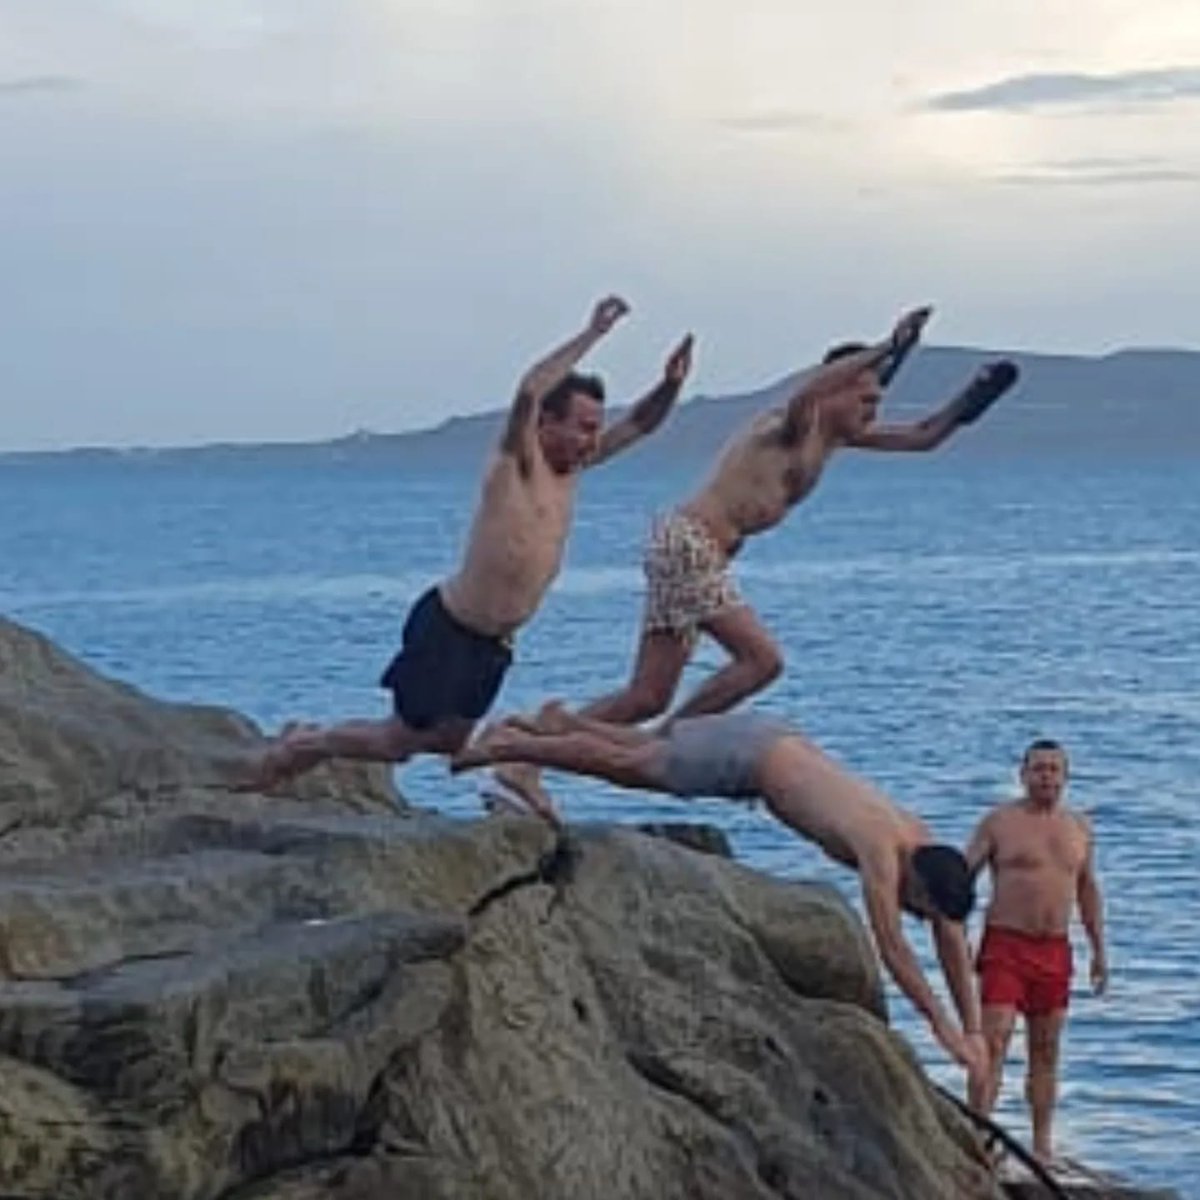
(572, 419)
(938, 882)
(852, 408)
(1044, 772)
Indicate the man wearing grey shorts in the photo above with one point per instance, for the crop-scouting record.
(747, 755)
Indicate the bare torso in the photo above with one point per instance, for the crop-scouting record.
(1036, 859)
(515, 546)
(759, 477)
(847, 817)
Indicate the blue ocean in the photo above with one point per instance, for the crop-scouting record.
(936, 614)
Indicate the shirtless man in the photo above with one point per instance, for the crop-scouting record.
(747, 755)
(1040, 855)
(457, 639)
(764, 472)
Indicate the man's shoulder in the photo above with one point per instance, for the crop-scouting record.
(1077, 817)
(507, 466)
(1003, 810)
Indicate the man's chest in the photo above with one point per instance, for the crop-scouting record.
(1032, 844)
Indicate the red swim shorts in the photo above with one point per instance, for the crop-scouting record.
(1028, 972)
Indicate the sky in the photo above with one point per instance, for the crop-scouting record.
(290, 219)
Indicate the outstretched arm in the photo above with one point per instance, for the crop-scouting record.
(1091, 912)
(988, 384)
(520, 430)
(833, 376)
(950, 941)
(651, 410)
(880, 883)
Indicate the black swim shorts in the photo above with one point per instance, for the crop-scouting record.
(444, 669)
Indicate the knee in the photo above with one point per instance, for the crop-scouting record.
(765, 661)
(1043, 1063)
(647, 700)
(397, 742)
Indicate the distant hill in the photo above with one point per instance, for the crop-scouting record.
(1143, 403)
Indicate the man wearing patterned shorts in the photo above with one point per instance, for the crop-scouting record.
(762, 474)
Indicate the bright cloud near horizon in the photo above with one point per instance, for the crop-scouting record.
(286, 219)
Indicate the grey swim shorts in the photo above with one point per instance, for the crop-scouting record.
(719, 755)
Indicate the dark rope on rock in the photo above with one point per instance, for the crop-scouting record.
(997, 1133)
(556, 867)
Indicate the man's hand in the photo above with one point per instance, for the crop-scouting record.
(607, 313)
(980, 1058)
(679, 364)
(1099, 974)
(968, 1050)
(908, 328)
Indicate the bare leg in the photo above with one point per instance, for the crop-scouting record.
(997, 1027)
(661, 659)
(301, 748)
(556, 718)
(1043, 1034)
(579, 753)
(756, 662)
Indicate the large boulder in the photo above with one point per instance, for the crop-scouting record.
(331, 994)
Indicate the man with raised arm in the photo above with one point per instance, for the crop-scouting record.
(748, 755)
(768, 468)
(1041, 857)
(457, 639)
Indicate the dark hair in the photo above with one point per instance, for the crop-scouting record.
(947, 880)
(843, 350)
(1043, 744)
(557, 401)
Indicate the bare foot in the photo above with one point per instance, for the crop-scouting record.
(480, 751)
(283, 757)
(554, 717)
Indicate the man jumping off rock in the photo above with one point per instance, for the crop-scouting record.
(748, 755)
(458, 637)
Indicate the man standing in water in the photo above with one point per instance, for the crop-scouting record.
(765, 471)
(457, 640)
(746, 755)
(1042, 863)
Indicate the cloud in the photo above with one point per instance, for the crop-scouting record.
(1101, 172)
(1129, 88)
(38, 83)
(782, 121)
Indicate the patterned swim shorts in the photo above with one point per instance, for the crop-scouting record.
(687, 577)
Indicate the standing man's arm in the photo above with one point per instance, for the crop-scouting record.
(651, 410)
(989, 383)
(1091, 913)
(828, 378)
(981, 846)
(520, 431)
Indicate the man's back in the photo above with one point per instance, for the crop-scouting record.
(852, 821)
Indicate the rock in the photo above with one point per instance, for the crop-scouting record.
(695, 835)
(1076, 1182)
(205, 994)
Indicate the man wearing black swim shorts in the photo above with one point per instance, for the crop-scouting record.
(457, 640)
